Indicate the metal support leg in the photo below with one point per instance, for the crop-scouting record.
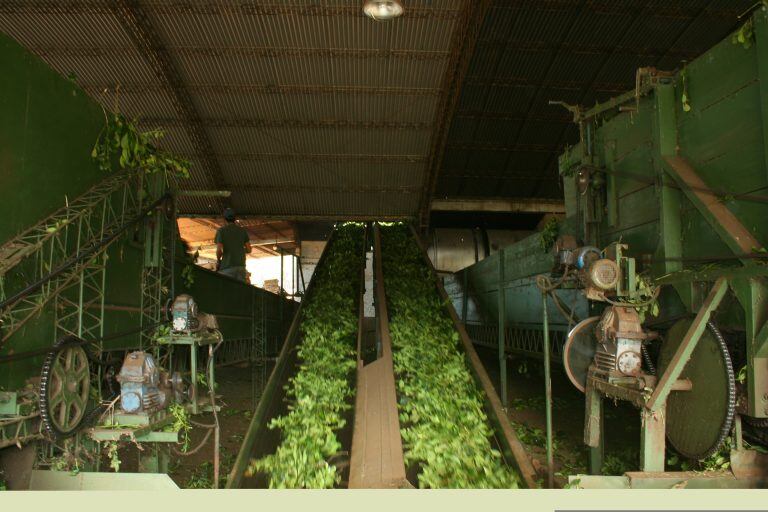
(653, 432)
(502, 333)
(594, 426)
(154, 458)
(464, 297)
(193, 377)
(548, 394)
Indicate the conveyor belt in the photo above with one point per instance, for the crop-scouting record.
(377, 450)
(376, 458)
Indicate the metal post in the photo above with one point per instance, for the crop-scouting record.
(652, 447)
(464, 297)
(548, 395)
(280, 286)
(502, 332)
(593, 429)
(301, 274)
(658, 399)
(193, 376)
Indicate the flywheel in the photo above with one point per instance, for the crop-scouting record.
(699, 420)
(65, 384)
(579, 351)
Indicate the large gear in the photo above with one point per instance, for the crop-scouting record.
(65, 384)
(699, 420)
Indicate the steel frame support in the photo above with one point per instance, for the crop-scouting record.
(670, 248)
(548, 396)
(594, 428)
(653, 439)
(657, 402)
(465, 36)
(752, 294)
(138, 26)
(51, 244)
(502, 343)
(258, 349)
(728, 227)
(156, 276)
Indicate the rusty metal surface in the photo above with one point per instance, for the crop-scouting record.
(264, 94)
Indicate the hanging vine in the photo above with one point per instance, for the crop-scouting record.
(121, 141)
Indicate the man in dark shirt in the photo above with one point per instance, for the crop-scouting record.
(232, 244)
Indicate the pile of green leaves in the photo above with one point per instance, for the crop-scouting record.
(444, 428)
(121, 140)
(320, 393)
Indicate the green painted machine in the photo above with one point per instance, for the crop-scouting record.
(90, 265)
(658, 272)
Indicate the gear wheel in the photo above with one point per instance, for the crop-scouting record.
(698, 421)
(65, 384)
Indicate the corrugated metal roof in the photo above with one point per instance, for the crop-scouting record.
(577, 51)
(309, 108)
(305, 108)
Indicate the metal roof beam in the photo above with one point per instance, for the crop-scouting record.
(405, 189)
(521, 82)
(139, 28)
(319, 157)
(496, 175)
(582, 49)
(514, 116)
(481, 146)
(251, 89)
(250, 51)
(210, 9)
(498, 205)
(293, 123)
(660, 10)
(465, 36)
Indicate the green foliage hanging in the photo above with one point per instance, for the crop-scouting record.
(745, 36)
(549, 234)
(685, 98)
(121, 140)
(444, 428)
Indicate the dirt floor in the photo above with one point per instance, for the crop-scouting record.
(195, 471)
(527, 412)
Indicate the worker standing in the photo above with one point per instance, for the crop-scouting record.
(232, 244)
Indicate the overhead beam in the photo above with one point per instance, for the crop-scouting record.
(665, 10)
(565, 85)
(584, 49)
(722, 220)
(247, 51)
(249, 157)
(463, 42)
(514, 116)
(208, 8)
(351, 217)
(474, 174)
(251, 89)
(139, 28)
(482, 146)
(337, 124)
(358, 189)
(498, 205)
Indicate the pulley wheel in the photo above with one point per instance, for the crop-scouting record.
(65, 385)
(699, 420)
(579, 351)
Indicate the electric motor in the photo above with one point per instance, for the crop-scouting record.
(143, 386)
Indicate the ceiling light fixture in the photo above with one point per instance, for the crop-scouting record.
(383, 10)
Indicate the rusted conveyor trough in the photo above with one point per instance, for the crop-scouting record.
(375, 445)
